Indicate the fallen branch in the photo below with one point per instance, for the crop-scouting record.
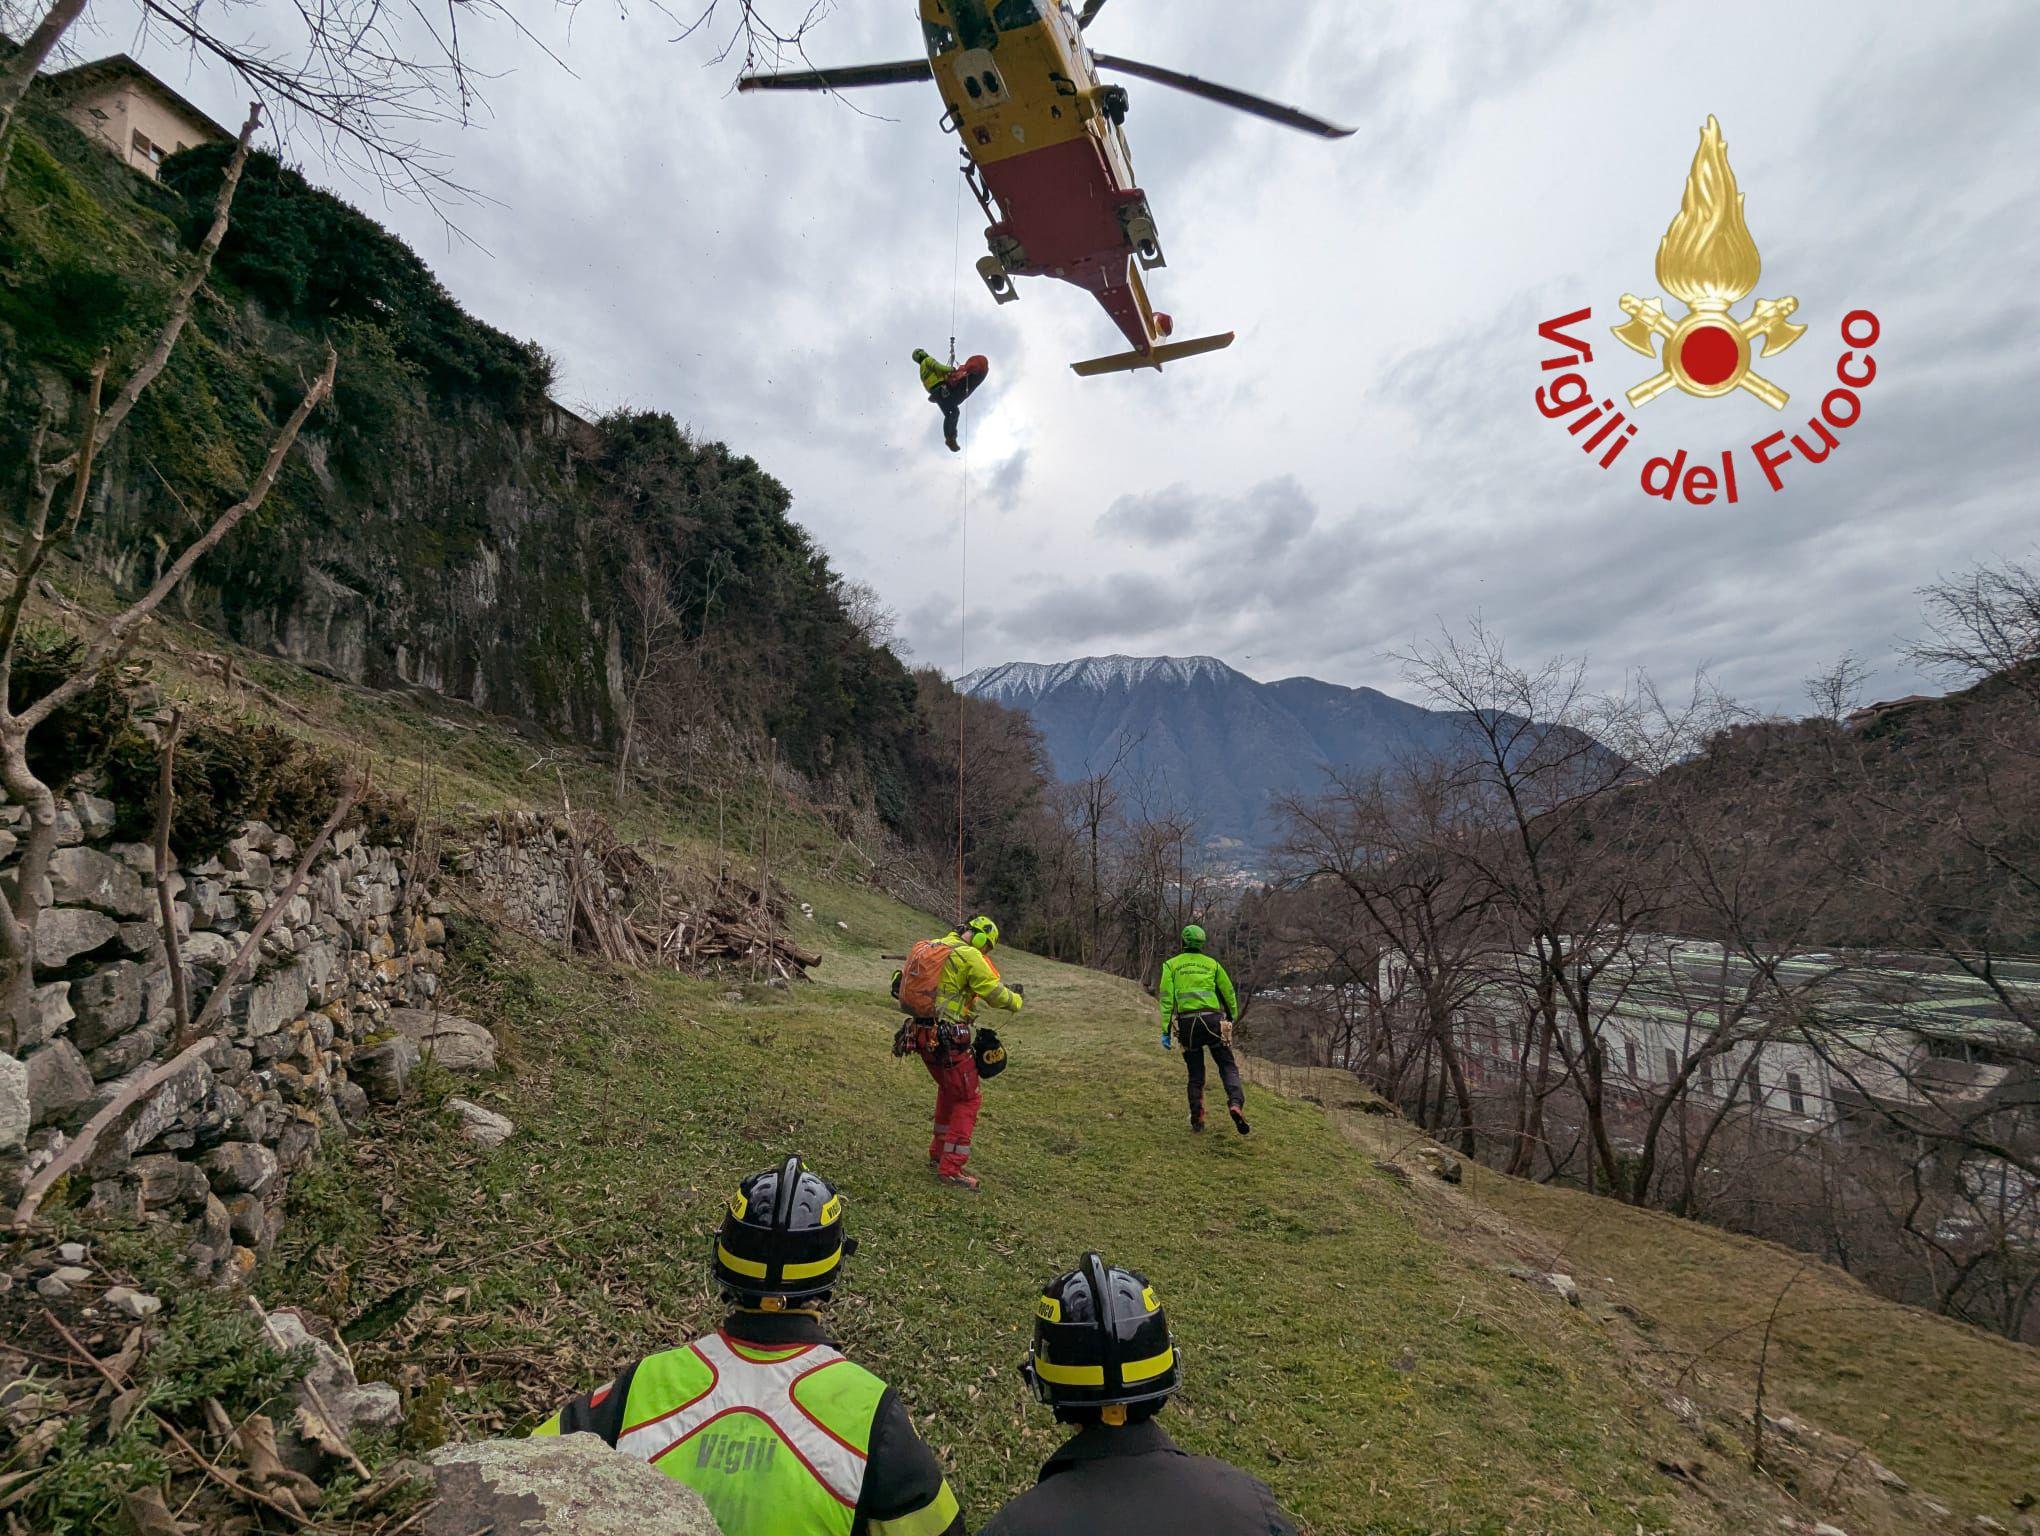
(198, 1459)
(166, 803)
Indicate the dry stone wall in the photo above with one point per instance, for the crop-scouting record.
(335, 1010)
(522, 865)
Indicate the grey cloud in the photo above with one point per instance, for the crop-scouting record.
(1366, 460)
(1168, 516)
(1007, 479)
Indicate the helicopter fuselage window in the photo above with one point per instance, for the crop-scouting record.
(1012, 14)
(940, 38)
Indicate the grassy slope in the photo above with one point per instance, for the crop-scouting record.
(1339, 1341)
(1347, 1338)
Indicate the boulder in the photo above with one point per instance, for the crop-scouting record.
(95, 815)
(329, 1388)
(65, 933)
(297, 1144)
(119, 1057)
(130, 1302)
(107, 1003)
(58, 1081)
(565, 1485)
(240, 1167)
(49, 1011)
(273, 1002)
(142, 938)
(212, 950)
(212, 1244)
(384, 1069)
(85, 877)
(456, 1043)
(481, 1125)
(1442, 1163)
(16, 1116)
(185, 1089)
(164, 1182)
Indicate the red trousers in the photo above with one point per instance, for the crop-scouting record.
(957, 1097)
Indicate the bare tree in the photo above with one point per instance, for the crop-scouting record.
(1384, 846)
(51, 466)
(1984, 622)
(371, 80)
(870, 616)
(656, 640)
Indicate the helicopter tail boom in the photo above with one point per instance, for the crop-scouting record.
(1153, 357)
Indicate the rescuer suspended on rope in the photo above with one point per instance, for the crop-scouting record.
(948, 387)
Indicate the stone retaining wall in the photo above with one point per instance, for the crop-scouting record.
(521, 864)
(328, 1016)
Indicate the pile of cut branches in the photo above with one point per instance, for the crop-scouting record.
(631, 911)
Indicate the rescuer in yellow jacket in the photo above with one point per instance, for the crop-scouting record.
(948, 387)
(946, 1040)
(778, 1433)
(1199, 1006)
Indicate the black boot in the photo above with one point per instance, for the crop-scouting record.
(1239, 1119)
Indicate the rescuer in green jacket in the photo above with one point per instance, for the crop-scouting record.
(1198, 1005)
(778, 1433)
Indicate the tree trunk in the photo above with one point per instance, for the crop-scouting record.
(19, 72)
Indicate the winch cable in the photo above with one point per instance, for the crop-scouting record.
(963, 557)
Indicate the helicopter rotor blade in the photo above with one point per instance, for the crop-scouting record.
(840, 79)
(1224, 95)
(1090, 13)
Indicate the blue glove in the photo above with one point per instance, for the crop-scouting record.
(1165, 1041)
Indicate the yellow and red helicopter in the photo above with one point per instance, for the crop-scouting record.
(1045, 153)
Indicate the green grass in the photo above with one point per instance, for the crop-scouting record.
(1352, 1341)
(1944, 1404)
(1376, 1380)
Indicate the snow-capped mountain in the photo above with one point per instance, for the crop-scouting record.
(1205, 737)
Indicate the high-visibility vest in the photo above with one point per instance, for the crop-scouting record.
(773, 1437)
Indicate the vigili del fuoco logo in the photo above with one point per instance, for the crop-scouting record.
(1708, 263)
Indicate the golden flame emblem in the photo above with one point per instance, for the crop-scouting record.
(1708, 261)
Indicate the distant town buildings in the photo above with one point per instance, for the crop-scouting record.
(135, 115)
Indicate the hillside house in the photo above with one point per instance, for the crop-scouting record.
(135, 115)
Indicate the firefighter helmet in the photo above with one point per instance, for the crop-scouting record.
(984, 933)
(1193, 937)
(782, 1237)
(1100, 1338)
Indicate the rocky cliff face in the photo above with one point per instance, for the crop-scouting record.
(449, 553)
(442, 525)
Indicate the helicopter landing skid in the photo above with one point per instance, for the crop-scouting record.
(1154, 357)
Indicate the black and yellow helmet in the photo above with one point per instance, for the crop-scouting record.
(1100, 1338)
(782, 1237)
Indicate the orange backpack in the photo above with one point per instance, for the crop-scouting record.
(921, 977)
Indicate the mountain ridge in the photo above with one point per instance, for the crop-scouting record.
(1207, 738)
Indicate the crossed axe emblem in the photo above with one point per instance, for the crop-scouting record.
(1770, 319)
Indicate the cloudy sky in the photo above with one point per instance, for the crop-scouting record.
(1366, 462)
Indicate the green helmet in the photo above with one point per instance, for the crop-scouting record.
(984, 933)
(920, 355)
(1193, 937)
